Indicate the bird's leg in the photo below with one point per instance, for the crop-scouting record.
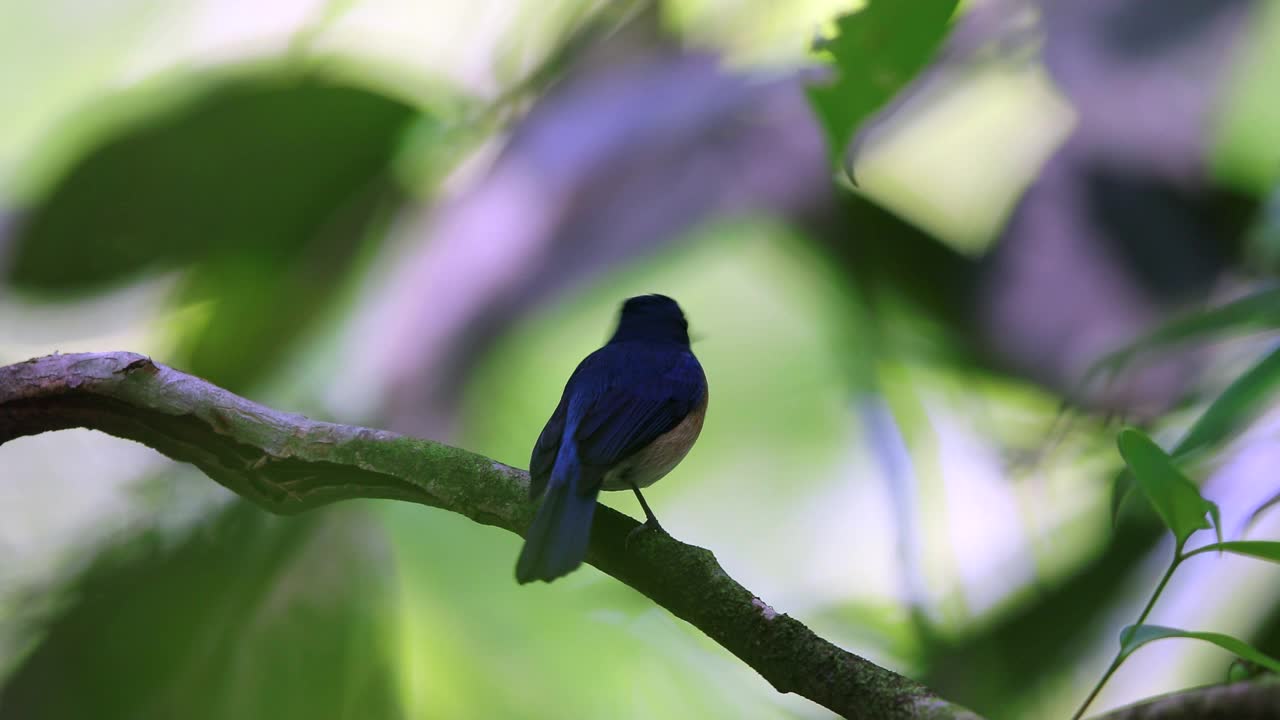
(650, 520)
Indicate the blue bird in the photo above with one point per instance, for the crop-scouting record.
(628, 415)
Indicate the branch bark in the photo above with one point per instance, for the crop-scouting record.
(287, 463)
(1252, 700)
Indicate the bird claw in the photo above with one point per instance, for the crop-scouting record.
(639, 530)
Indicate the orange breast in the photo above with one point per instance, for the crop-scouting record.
(661, 456)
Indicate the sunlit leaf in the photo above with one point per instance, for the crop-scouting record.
(1135, 636)
(1247, 147)
(877, 50)
(1175, 498)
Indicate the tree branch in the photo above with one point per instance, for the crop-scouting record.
(1252, 700)
(287, 463)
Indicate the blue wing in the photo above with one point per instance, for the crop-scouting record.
(643, 393)
(619, 399)
(545, 450)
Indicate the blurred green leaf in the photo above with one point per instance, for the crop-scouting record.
(1175, 498)
(1229, 413)
(263, 188)
(877, 50)
(1259, 311)
(1261, 549)
(1270, 503)
(1121, 490)
(254, 165)
(1235, 408)
(1135, 636)
(259, 303)
(248, 616)
(1247, 152)
(1262, 242)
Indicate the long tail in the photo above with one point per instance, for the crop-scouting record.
(557, 540)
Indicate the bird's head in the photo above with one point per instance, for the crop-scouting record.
(655, 318)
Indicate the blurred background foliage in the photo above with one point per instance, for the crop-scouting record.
(422, 215)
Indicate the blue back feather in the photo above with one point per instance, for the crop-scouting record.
(621, 398)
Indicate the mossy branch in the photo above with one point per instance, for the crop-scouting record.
(287, 463)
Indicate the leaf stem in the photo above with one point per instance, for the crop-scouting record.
(1115, 663)
(1177, 560)
(1121, 654)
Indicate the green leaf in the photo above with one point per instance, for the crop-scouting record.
(1268, 550)
(1235, 408)
(1270, 503)
(263, 188)
(1135, 636)
(877, 50)
(1175, 498)
(1217, 520)
(237, 344)
(1229, 413)
(264, 164)
(1259, 311)
(245, 616)
(1121, 490)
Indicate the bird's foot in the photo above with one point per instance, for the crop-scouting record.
(641, 529)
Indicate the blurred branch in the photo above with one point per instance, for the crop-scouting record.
(287, 463)
(1255, 700)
